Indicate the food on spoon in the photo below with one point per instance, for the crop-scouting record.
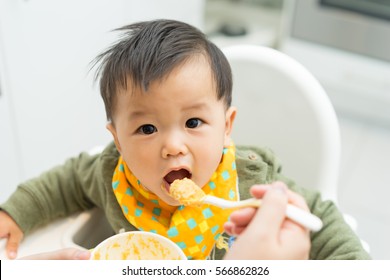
(186, 192)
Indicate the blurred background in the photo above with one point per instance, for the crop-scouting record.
(50, 108)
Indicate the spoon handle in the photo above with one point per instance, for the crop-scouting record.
(294, 213)
(303, 218)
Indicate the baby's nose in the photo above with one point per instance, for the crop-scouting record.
(174, 145)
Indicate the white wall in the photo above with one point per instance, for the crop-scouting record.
(49, 108)
(191, 11)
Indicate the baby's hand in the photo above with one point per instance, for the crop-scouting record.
(9, 229)
(62, 254)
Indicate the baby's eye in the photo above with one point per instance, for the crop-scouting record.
(147, 129)
(193, 123)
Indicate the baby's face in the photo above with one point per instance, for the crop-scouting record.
(176, 129)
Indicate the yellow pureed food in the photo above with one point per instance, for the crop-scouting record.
(186, 192)
(137, 246)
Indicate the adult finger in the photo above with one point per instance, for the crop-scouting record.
(271, 213)
(243, 216)
(258, 191)
(293, 197)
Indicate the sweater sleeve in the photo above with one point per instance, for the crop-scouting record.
(58, 192)
(336, 240)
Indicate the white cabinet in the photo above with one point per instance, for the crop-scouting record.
(46, 49)
(10, 172)
(55, 110)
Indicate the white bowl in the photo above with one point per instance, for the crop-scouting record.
(137, 245)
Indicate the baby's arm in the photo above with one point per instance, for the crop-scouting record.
(9, 229)
(58, 192)
(336, 240)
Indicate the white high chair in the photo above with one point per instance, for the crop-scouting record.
(281, 105)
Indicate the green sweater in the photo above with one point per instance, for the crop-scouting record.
(85, 182)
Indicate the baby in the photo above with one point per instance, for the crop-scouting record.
(167, 94)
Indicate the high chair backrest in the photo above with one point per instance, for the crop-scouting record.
(282, 106)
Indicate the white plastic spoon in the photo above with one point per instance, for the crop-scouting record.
(188, 193)
(294, 213)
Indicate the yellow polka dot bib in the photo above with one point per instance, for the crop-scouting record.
(195, 229)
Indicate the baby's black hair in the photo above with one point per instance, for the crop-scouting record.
(149, 51)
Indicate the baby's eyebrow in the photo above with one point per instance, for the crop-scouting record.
(197, 106)
(190, 107)
(138, 114)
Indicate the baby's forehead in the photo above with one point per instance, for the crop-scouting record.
(182, 90)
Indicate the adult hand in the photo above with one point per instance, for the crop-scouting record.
(9, 229)
(266, 233)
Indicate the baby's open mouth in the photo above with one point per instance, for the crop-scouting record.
(177, 174)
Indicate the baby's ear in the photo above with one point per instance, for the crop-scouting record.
(112, 129)
(230, 116)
